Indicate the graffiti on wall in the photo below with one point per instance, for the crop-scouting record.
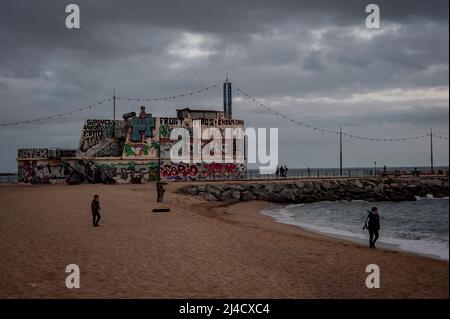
(142, 127)
(142, 138)
(222, 122)
(171, 171)
(179, 171)
(42, 172)
(128, 172)
(232, 170)
(78, 171)
(164, 150)
(142, 149)
(44, 153)
(167, 124)
(97, 139)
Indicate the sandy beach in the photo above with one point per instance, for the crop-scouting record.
(200, 249)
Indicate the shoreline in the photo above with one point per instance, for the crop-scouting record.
(309, 232)
(355, 239)
(201, 249)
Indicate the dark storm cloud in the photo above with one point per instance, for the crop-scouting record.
(317, 51)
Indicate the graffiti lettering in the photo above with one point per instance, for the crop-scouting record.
(41, 172)
(178, 171)
(44, 153)
(97, 139)
(220, 122)
(222, 169)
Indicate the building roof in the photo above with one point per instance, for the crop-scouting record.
(198, 110)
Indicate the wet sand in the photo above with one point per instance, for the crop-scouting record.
(198, 250)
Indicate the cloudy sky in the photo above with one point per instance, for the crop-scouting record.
(314, 61)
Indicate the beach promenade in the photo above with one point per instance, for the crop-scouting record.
(201, 249)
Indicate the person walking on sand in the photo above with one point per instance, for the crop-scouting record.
(160, 191)
(95, 208)
(373, 225)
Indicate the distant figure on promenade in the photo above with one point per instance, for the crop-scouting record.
(160, 191)
(373, 225)
(95, 208)
(281, 171)
(277, 172)
(285, 170)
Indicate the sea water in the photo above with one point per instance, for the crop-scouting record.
(419, 226)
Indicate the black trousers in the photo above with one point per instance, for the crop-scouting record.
(373, 233)
(96, 218)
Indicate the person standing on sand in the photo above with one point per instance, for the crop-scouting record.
(95, 208)
(373, 226)
(160, 191)
(281, 171)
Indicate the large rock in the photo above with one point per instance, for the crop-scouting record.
(236, 194)
(299, 184)
(271, 197)
(229, 196)
(287, 195)
(433, 182)
(279, 187)
(358, 184)
(193, 190)
(216, 191)
(308, 187)
(270, 187)
(247, 196)
(209, 196)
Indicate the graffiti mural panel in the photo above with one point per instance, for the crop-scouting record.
(127, 171)
(170, 171)
(142, 139)
(97, 139)
(42, 172)
(223, 170)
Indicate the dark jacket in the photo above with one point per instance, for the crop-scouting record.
(95, 206)
(374, 222)
(160, 188)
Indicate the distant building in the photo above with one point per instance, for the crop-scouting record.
(199, 114)
(135, 149)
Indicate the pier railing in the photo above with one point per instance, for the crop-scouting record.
(335, 173)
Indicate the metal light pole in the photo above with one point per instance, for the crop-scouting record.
(340, 150)
(431, 151)
(114, 105)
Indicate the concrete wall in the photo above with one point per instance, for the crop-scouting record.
(43, 171)
(137, 150)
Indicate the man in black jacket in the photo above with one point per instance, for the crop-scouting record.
(95, 208)
(373, 226)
